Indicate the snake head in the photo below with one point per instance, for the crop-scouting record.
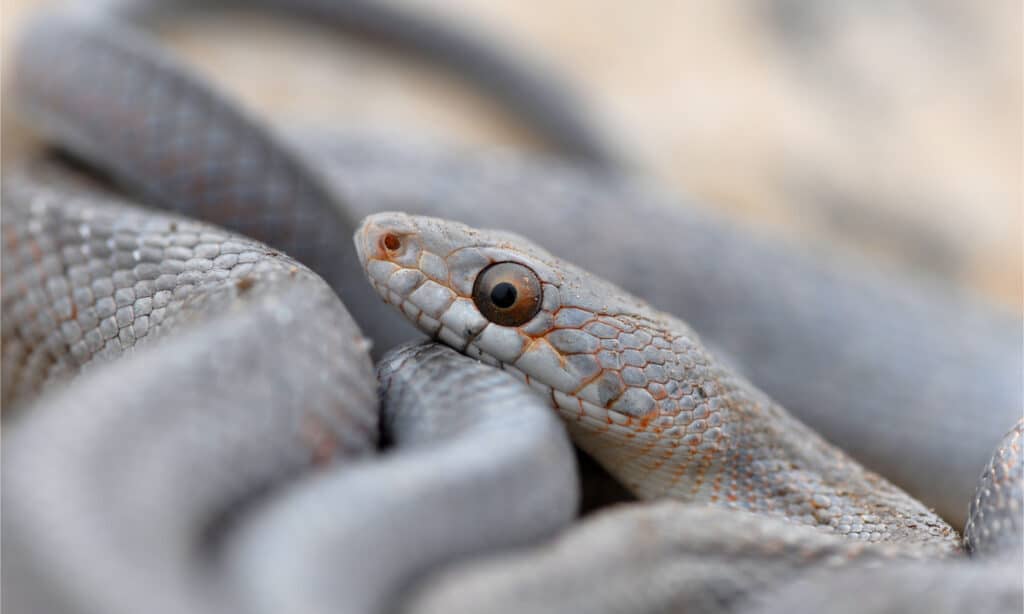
(505, 301)
(434, 271)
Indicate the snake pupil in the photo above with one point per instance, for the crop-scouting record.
(507, 293)
(503, 295)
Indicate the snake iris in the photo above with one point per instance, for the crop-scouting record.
(635, 386)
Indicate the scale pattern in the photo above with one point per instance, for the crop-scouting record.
(657, 557)
(477, 463)
(85, 279)
(995, 518)
(636, 388)
(109, 94)
(96, 81)
(861, 356)
(205, 370)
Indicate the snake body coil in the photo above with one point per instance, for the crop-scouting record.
(635, 386)
(172, 378)
(205, 354)
(803, 328)
(463, 434)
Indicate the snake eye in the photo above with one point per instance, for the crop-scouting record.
(507, 293)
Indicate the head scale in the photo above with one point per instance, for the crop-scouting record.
(499, 298)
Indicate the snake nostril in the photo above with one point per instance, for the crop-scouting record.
(391, 242)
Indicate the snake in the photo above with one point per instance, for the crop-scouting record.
(117, 95)
(803, 324)
(640, 393)
(100, 474)
(637, 389)
(457, 426)
(101, 89)
(170, 309)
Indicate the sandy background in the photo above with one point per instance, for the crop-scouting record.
(891, 129)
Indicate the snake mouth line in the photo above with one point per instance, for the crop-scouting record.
(434, 328)
(571, 408)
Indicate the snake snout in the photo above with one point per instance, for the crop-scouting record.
(380, 237)
(363, 238)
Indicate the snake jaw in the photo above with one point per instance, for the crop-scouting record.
(572, 346)
(573, 351)
(427, 268)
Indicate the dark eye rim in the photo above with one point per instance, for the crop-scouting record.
(529, 293)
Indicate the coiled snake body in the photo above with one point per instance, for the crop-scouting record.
(212, 374)
(637, 389)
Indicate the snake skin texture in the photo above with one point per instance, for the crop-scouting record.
(862, 356)
(463, 436)
(98, 84)
(635, 387)
(659, 557)
(667, 557)
(85, 279)
(995, 520)
(804, 328)
(949, 587)
(174, 378)
(205, 369)
(112, 96)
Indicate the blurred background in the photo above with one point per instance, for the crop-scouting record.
(889, 129)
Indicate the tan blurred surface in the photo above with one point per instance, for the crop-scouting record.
(889, 128)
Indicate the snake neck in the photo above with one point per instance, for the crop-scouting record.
(669, 420)
(636, 387)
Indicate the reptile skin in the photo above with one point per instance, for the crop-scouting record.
(995, 518)
(463, 436)
(635, 386)
(95, 80)
(205, 369)
(838, 345)
(667, 556)
(658, 557)
(862, 356)
(90, 538)
(168, 377)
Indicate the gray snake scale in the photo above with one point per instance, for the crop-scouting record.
(191, 422)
